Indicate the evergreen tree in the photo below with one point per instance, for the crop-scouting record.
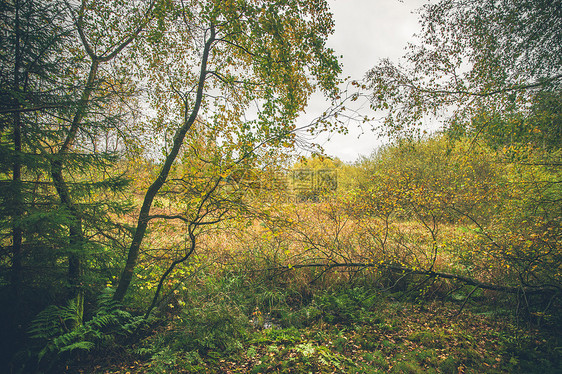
(60, 117)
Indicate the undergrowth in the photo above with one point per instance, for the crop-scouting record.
(241, 324)
(59, 334)
(231, 325)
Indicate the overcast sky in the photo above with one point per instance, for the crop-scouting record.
(365, 32)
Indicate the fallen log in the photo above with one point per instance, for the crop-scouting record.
(518, 289)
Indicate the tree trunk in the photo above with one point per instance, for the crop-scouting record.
(17, 232)
(17, 203)
(142, 221)
(76, 236)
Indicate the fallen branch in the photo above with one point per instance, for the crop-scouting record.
(548, 289)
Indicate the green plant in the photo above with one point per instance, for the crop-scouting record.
(349, 306)
(408, 368)
(162, 361)
(214, 325)
(59, 331)
(290, 335)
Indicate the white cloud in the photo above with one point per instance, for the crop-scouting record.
(365, 32)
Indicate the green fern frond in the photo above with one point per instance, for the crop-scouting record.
(82, 345)
(48, 323)
(60, 331)
(105, 301)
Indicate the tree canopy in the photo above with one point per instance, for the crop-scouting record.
(473, 58)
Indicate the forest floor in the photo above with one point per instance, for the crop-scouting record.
(388, 336)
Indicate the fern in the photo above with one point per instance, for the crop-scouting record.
(84, 345)
(54, 321)
(47, 324)
(59, 333)
(106, 303)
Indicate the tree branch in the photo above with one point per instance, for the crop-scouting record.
(434, 274)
